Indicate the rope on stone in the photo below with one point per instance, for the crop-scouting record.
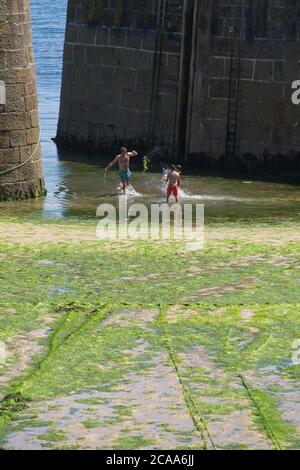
(25, 162)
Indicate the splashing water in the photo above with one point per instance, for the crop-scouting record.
(205, 197)
(164, 183)
(130, 191)
(155, 154)
(188, 195)
(183, 193)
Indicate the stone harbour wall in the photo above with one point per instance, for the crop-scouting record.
(268, 126)
(108, 84)
(112, 94)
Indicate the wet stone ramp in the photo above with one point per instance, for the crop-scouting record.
(145, 406)
(162, 377)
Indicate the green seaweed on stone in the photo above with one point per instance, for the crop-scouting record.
(232, 359)
(53, 435)
(91, 424)
(73, 275)
(78, 291)
(133, 443)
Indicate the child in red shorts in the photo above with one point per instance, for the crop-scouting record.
(174, 181)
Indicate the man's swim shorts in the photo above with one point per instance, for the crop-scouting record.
(125, 175)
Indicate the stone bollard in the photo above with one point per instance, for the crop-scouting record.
(20, 154)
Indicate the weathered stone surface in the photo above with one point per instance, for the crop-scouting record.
(19, 123)
(118, 49)
(268, 66)
(15, 100)
(17, 138)
(4, 140)
(112, 59)
(9, 155)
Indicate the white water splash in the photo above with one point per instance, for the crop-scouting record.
(185, 194)
(164, 182)
(130, 191)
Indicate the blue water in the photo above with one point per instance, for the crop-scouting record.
(48, 30)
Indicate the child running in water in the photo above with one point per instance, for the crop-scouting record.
(123, 160)
(179, 169)
(174, 182)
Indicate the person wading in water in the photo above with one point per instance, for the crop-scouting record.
(123, 160)
(174, 180)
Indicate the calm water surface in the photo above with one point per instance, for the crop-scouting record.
(75, 190)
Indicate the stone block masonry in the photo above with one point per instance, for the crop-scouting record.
(125, 83)
(109, 92)
(20, 157)
(266, 41)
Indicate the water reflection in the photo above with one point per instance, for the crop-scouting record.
(76, 189)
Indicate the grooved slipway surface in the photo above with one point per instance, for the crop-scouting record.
(144, 345)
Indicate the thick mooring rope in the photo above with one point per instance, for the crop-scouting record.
(25, 162)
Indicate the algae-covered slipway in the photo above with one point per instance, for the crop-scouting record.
(145, 345)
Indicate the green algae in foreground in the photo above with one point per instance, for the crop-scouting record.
(233, 272)
(98, 375)
(178, 350)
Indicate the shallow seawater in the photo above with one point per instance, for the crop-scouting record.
(75, 190)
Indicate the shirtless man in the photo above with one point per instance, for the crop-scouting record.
(123, 160)
(174, 181)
